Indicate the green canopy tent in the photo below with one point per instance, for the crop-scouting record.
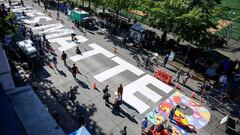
(78, 15)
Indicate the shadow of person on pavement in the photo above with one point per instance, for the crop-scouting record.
(82, 84)
(129, 106)
(121, 113)
(61, 72)
(116, 112)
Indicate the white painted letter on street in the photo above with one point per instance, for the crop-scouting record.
(37, 19)
(96, 50)
(140, 86)
(67, 43)
(123, 66)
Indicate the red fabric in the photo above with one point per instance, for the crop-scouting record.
(163, 132)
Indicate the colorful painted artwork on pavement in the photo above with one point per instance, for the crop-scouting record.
(198, 119)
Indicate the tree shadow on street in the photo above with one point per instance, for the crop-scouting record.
(66, 111)
(87, 111)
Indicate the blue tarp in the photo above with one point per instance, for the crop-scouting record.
(138, 27)
(80, 131)
(62, 7)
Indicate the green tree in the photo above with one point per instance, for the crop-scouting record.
(118, 5)
(185, 19)
(7, 26)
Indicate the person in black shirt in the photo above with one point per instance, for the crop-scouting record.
(75, 70)
(64, 57)
(165, 60)
(78, 51)
(106, 97)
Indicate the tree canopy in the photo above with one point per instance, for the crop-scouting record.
(6, 25)
(186, 19)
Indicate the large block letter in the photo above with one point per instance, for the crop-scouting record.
(47, 28)
(140, 86)
(20, 8)
(67, 43)
(53, 30)
(96, 50)
(123, 66)
(37, 19)
(34, 13)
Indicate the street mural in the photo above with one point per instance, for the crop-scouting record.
(198, 119)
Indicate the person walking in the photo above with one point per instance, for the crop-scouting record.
(120, 90)
(186, 77)
(55, 61)
(177, 76)
(64, 57)
(124, 131)
(165, 60)
(75, 70)
(106, 97)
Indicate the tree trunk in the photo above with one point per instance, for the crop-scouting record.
(103, 9)
(89, 4)
(82, 3)
(117, 12)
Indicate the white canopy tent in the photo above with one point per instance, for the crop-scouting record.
(80, 131)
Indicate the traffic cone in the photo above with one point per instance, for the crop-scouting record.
(177, 86)
(94, 86)
(193, 95)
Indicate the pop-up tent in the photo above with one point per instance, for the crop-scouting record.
(80, 131)
(137, 32)
(78, 15)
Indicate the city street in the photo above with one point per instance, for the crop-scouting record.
(100, 65)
